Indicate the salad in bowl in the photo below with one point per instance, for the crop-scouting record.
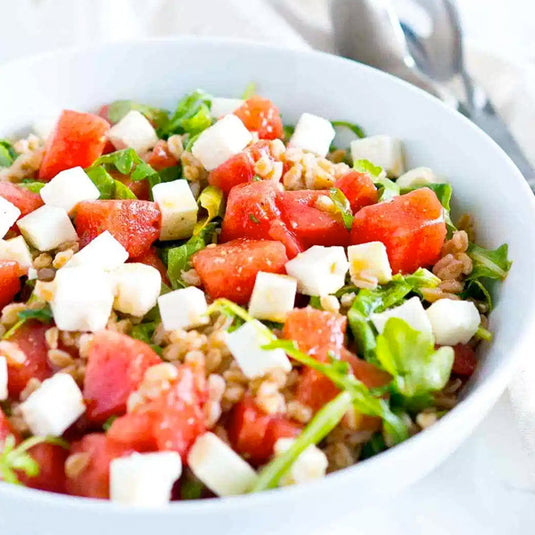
(210, 302)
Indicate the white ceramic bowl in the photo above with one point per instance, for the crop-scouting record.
(486, 184)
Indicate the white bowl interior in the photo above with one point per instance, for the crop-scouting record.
(486, 185)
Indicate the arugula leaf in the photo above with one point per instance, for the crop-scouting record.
(15, 458)
(422, 278)
(178, 258)
(170, 173)
(236, 312)
(32, 185)
(109, 422)
(143, 331)
(488, 263)
(323, 422)
(342, 206)
(102, 180)
(363, 400)
(476, 290)
(211, 199)
(443, 193)
(288, 130)
(118, 109)
(365, 166)
(388, 189)
(410, 357)
(191, 116)
(191, 488)
(122, 191)
(315, 302)
(374, 446)
(7, 153)
(355, 128)
(44, 315)
(249, 91)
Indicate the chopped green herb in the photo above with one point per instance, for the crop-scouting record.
(323, 422)
(355, 128)
(410, 357)
(118, 109)
(249, 91)
(15, 457)
(178, 258)
(254, 219)
(365, 166)
(342, 206)
(211, 200)
(288, 130)
(191, 116)
(44, 315)
(32, 185)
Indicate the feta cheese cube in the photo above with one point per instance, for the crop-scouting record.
(54, 406)
(411, 311)
(384, 151)
(223, 106)
(9, 213)
(183, 308)
(68, 188)
(47, 227)
(144, 479)
(82, 299)
(219, 467)
(313, 134)
(453, 322)
(103, 252)
(273, 296)
(178, 207)
(16, 250)
(310, 465)
(3, 378)
(319, 270)
(368, 264)
(245, 344)
(137, 287)
(219, 142)
(133, 131)
(419, 176)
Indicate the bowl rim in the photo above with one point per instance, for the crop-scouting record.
(483, 396)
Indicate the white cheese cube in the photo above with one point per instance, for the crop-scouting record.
(417, 177)
(453, 322)
(319, 270)
(223, 106)
(68, 188)
(273, 296)
(219, 467)
(384, 151)
(82, 299)
(54, 406)
(183, 308)
(9, 213)
(47, 227)
(219, 142)
(178, 207)
(144, 479)
(310, 465)
(368, 264)
(245, 344)
(16, 250)
(137, 287)
(103, 252)
(411, 311)
(313, 134)
(133, 131)
(3, 378)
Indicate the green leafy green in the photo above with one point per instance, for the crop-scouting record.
(190, 488)
(32, 185)
(249, 91)
(122, 191)
(109, 422)
(191, 116)
(342, 206)
(103, 181)
(476, 290)
(118, 109)
(355, 128)
(211, 199)
(323, 422)
(365, 166)
(7, 153)
(44, 315)
(170, 173)
(444, 193)
(15, 457)
(483, 334)
(143, 331)
(363, 400)
(488, 263)
(410, 357)
(178, 258)
(237, 314)
(422, 278)
(315, 302)
(374, 446)
(388, 189)
(288, 130)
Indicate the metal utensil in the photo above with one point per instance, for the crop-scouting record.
(440, 57)
(369, 31)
